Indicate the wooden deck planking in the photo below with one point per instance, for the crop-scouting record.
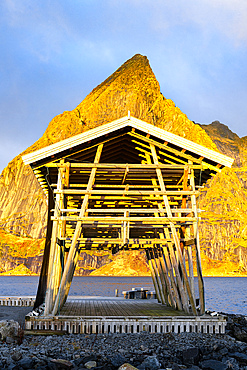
(116, 307)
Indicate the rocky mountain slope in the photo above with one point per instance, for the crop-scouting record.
(224, 200)
(133, 87)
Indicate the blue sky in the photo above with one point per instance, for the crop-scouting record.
(54, 52)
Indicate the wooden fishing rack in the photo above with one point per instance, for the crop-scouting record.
(125, 185)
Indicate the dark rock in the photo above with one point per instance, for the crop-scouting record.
(150, 363)
(213, 365)
(190, 356)
(26, 363)
(231, 363)
(89, 358)
(13, 367)
(118, 360)
(16, 356)
(241, 357)
(51, 366)
(223, 351)
(79, 361)
(10, 340)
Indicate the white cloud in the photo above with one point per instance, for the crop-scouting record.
(226, 17)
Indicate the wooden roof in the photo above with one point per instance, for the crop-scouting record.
(121, 123)
(126, 141)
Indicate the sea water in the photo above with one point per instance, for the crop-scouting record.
(223, 294)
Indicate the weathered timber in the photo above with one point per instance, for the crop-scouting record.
(125, 185)
(73, 252)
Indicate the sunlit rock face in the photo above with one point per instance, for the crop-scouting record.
(133, 87)
(224, 200)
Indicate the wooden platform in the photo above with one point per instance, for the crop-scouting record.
(118, 315)
(117, 307)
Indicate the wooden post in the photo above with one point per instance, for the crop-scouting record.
(74, 252)
(52, 257)
(166, 258)
(157, 275)
(58, 265)
(190, 263)
(164, 287)
(171, 299)
(197, 246)
(153, 275)
(174, 233)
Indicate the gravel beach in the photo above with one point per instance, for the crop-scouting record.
(141, 351)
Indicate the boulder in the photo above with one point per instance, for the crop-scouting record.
(151, 362)
(127, 367)
(213, 365)
(191, 356)
(118, 360)
(9, 328)
(90, 364)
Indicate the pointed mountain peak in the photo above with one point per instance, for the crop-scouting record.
(132, 87)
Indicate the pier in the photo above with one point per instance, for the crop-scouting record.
(87, 315)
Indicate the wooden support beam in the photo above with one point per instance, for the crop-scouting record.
(123, 166)
(167, 263)
(73, 252)
(163, 287)
(125, 174)
(136, 241)
(174, 233)
(161, 235)
(158, 277)
(197, 246)
(191, 272)
(130, 210)
(52, 257)
(165, 147)
(92, 192)
(114, 219)
(155, 283)
(167, 280)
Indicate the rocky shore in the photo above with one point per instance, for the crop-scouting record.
(141, 351)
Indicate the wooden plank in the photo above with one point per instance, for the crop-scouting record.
(130, 166)
(130, 210)
(110, 219)
(126, 192)
(73, 253)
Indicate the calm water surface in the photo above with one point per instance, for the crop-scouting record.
(224, 294)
